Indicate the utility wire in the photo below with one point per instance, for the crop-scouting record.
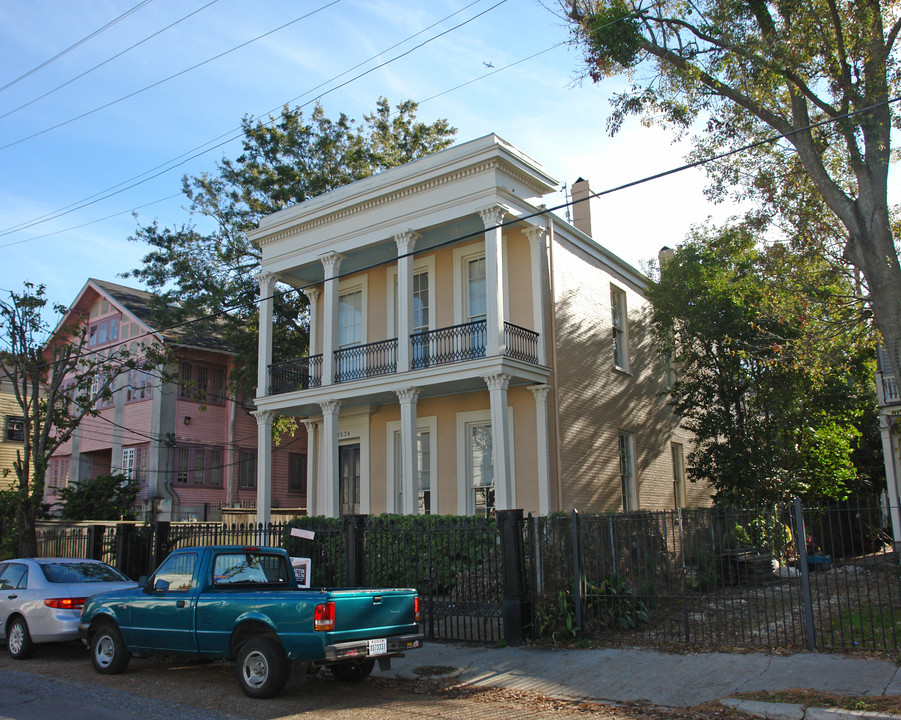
(80, 42)
(164, 80)
(230, 135)
(108, 60)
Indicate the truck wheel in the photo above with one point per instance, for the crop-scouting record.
(262, 668)
(109, 656)
(353, 671)
(18, 640)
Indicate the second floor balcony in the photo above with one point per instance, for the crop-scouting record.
(432, 348)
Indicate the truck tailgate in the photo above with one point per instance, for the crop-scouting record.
(366, 613)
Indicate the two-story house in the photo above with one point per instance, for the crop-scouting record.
(191, 446)
(469, 351)
(12, 438)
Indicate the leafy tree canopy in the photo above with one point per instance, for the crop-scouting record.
(774, 368)
(105, 497)
(822, 74)
(208, 266)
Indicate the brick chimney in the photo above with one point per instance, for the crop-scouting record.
(582, 206)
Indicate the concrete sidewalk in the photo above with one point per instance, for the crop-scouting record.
(675, 680)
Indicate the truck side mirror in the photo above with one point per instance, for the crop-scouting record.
(161, 585)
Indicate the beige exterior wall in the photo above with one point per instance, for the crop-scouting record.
(597, 401)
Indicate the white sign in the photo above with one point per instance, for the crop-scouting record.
(301, 533)
(301, 571)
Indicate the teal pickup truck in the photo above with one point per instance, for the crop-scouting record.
(244, 603)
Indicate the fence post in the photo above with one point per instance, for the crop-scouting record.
(509, 524)
(801, 534)
(159, 544)
(355, 552)
(577, 570)
(124, 541)
(95, 542)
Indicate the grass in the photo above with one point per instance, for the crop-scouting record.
(813, 698)
(865, 627)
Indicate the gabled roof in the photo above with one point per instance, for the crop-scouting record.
(138, 304)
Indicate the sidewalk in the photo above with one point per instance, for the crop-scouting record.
(675, 680)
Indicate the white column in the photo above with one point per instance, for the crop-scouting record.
(405, 242)
(537, 238)
(332, 264)
(264, 354)
(539, 392)
(312, 294)
(311, 426)
(329, 503)
(504, 495)
(408, 434)
(891, 476)
(494, 265)
(264, 464)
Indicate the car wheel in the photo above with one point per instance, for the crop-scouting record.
(109, 656)
(18, 639)
(355, 671)
(262, 668)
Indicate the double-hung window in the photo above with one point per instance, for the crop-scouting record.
(620, 328)
(480, 469)
(627, 471)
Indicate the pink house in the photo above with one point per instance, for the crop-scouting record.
(190, 445)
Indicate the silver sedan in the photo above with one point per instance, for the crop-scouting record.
(41, 598)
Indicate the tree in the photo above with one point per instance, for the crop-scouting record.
(105, 497)
(822, 74)
(198, 271)
(57, 382)
(775, 368)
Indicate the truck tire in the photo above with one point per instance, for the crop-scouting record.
(262, 668)
(18, 639)
(353, 671)
(109, 656)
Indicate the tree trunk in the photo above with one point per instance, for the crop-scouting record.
(28, 539)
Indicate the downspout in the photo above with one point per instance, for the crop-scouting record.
(555, 386)
(230, 456)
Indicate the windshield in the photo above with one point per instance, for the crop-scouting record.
(72, 572)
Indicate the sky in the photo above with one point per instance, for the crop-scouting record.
(105, 105)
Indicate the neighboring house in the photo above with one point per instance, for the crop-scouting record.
(190, 446)
(12, 439)
(468, 352)
(889, 402)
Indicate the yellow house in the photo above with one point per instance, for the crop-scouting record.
(469, 351)
(11, 441)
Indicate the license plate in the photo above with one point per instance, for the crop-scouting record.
(378, 647)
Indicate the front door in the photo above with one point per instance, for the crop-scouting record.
(349, 478)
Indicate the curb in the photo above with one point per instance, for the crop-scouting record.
(790, 711)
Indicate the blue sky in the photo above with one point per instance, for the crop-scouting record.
(537, 104)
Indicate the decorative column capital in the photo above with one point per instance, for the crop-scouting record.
(266, 281)
(264, 417)
(330, 407)
(310, 425)
(407, 396)
(497, 381)
(312, 293)
(536, 234)
(332, 263)
(540, 392)
(406, 241)
(493, 216)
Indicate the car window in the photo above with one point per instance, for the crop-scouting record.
(177, 570)
(14, 576)
(71, 572)
(246, 567)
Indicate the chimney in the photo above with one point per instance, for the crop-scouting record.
(582, 206)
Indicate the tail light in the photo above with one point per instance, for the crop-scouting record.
(416, 608)
(65, 603)
(324, 617)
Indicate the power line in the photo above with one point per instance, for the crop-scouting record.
(232, 134)
(164, 80)
(108, 60)
(80, 42)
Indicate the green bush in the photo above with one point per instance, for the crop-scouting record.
(613, 604)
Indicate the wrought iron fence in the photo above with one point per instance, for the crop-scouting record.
(449, 344)
(298, 374)
(363, 361)
(521, 344)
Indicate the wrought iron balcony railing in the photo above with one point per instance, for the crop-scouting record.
(521, 344)
(363, 361)
(298, 374)
(449, 345)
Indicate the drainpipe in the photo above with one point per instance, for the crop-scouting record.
(555, 386)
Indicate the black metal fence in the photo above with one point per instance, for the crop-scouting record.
(774, 577)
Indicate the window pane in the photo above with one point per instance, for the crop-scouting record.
(350, 318)
(421, 302)
(199, 466)
(297, 473)
(181, 475)
(477, 289)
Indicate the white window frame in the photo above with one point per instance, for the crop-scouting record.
(621, 360)
(465, 503)
(357, 284)
(628, 480)
(128, 463)
(423, 265)
(423, 424)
